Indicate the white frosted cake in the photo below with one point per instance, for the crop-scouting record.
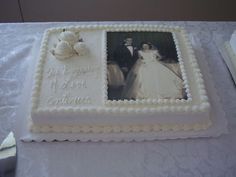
(233, 42)
(116, 79)
(230, 47)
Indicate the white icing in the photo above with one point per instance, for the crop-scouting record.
(68, 100)
(69, 96)
(233, 42)
(69, 37)
(75, 76)
(69, 44)
(232, 52)
(81, 48)
(63, 50)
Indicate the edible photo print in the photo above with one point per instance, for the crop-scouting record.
(143, 65)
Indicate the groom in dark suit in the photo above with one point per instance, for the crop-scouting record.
(126, 55)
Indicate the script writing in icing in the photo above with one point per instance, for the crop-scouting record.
(75, 73)
(70, 79)
(69, 87)
(67, 84)
(68, 100)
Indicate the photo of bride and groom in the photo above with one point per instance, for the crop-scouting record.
(136, 69)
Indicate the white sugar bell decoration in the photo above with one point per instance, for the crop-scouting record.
(63, 50)
(69, 44)
(81, 48)
(69, 37)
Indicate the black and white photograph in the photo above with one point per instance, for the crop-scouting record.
(143, 65)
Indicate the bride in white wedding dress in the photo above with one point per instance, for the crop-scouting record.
(149, 78)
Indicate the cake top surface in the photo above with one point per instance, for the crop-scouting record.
(118, 67)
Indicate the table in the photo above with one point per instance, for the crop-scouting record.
(179, 158)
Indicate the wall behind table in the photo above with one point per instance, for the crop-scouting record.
(102, 10)
(10, 11)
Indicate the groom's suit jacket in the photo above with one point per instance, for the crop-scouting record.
(124, 57)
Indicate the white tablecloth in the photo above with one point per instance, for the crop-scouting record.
(191, 157)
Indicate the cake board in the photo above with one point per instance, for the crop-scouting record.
(219, 122)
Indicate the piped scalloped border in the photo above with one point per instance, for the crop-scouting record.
(164, 105)
(197, 72)
(39, 71)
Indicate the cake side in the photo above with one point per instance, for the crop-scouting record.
(73, 93)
